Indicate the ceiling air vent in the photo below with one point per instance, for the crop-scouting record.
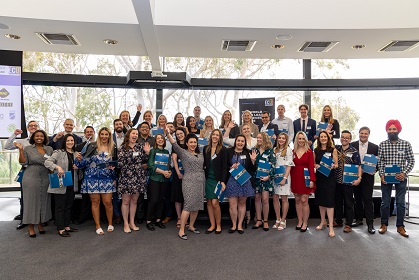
(59, 39)
(400, 46)
(317, 46)
(237, 46)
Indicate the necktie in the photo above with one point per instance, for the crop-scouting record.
(304, 126)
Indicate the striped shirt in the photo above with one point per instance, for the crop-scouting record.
(348, 156)
(399, 153)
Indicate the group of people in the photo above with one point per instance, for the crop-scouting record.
(166, 162)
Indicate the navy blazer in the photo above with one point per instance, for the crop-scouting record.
(310, 128)
(372, 149)
(249, 166)
(271, 126)
(219, 164)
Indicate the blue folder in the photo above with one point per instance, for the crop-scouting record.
(283, 130)
(19, 176)
(200, 124)
(271, 133)
(180, 166)
(279, 174)
(390, 172)
(218, 192)
(240, 174)
(321, 127)
(350, 173)
(202, 142)
(162, 161)
(325, 165)
(307, 177)
(57, 182)
(263, 168)
(369, 165)
(156, 130)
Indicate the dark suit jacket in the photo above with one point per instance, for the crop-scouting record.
(57, 145)
(372, 149)
(219, 164)
(271, 126)
(310, 128)
(233, 132)
(249, 166)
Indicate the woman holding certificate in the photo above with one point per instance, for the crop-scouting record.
(177, 195)
(193, 183)
(35, 181)
(159, 170)
(265, 161)
(132, 178)
(61, 161)
(303, 178)
(325, 183)
(99, 176)
(284, 159)
(236, 193)
(215, 165)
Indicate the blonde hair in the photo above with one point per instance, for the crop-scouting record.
(204, 129)
(111, 144)
(148, 111)
(251, 116)
(331, 119)
(266, 141)
(306, 146)
(222, 118)
(278, 147)
(161, 116)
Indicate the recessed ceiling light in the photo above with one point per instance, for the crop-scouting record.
(277, 46)
(358, 47)
(4, 26)
(110, 42)
(284, 37)
(12, 36)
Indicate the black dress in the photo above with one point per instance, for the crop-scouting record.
(177, 194)
(325, 186)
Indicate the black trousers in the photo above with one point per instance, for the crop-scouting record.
(168, 204)
(140, 213)
(63, 203)
(155, 195)
(344, 197)
(21, 201)
(364, 202)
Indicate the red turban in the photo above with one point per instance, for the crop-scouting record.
(395, 123)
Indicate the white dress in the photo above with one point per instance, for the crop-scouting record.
(287, 160)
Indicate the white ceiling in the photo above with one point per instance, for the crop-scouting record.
(194, 28)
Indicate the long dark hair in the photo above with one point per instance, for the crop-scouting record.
(175, 122)
(125, 143)
(188, 125)
(155, 142)
(245, 142)
(63, 144)
(184, 132)
(329, 145)
(190, 136)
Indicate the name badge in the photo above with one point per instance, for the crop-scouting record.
(135, 154)
(328, 154)
(243, 157)
(349, 155)
(106, 154)
(46, 156)
(265, 156)
(214, 156)
(308, 127)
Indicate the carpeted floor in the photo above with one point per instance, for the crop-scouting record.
(256, 254)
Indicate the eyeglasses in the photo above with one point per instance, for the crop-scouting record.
(33, 125)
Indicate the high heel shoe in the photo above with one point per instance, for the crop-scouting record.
(255, 226)
(298, 227)
(303, 229)
(265, 228)
(321, 226)
(41, 230)
(31, 235)
(331, 233)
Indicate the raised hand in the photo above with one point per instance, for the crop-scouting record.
(139, 107)
(18, 145)
(18, 131)
(147, 148)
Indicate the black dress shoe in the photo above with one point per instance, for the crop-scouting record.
(64, 234)
(20, 226)
(371, 229)
(72, 230)
(150, 226)
(209, 231)
(218, 232)
(18, 217)
(357, 223)
(240, 231)
(231, 230)
(160, 224)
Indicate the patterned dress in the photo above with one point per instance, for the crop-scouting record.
(132, 176)
(260, 186)
(286, 161)
(233, 188)
(193, 182)
(96, 179)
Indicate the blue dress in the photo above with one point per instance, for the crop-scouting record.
(97, 180)
(233, 188)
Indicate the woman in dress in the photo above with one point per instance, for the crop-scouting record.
(207, 128)
(177, 195)
(178, 120)
(227, 122)
(132, 177)
(237, 194)
(303, 159)
(264, 184)
(159, 182)
(99, 176)
(191, 125)
(333, 127)
(61, 161)
(35, 181)
(215, 165)
(284, 157)
(148, 117)
(247, 118)
(325, 185)
(125, 117)
(193, 183)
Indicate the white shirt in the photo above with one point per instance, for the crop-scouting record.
(363, 147)
(119, 140)
(285, 123)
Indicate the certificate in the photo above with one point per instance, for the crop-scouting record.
(240, 174)
(369, 165)
(161, 161)
(325, 165)
(350, 173)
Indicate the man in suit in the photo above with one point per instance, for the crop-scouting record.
(305, 124)
(55, 140)
(267, 124)
(363, 193)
